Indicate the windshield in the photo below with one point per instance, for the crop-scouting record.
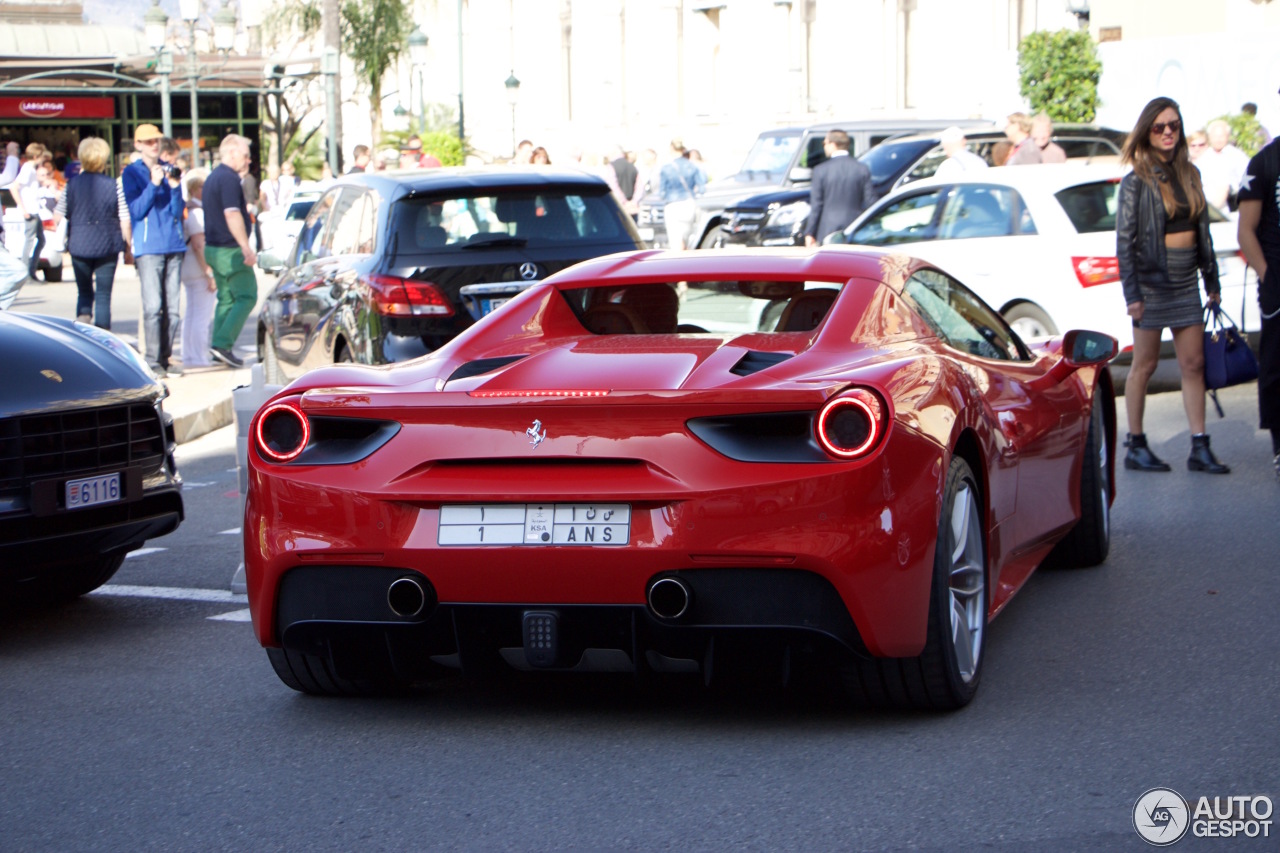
(769, 158)
(547, 218)
(888, 160)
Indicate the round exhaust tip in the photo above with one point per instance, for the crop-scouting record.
(406, 597)
(669, 598)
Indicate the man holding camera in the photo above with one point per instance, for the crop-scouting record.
(152, 191)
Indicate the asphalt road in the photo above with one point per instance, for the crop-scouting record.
(139, 723)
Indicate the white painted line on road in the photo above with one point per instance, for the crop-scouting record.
(142, 552)
(187, 484)
(172, 593)
(235, 531)
(233, 616)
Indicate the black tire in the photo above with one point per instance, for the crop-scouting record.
(713, 239)
(52, 273)
(312, 674)
(946, 674)
(1089, 541)
(1030, 321)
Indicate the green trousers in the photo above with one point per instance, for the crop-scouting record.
(237, 294)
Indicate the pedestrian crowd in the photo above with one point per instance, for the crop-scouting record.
(154, 215)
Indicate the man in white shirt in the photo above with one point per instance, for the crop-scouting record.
(1222, 165)
(26, 196)
(959, 158)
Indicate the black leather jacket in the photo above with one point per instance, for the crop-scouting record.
(1140, 220)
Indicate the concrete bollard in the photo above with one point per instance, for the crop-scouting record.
(247, 399)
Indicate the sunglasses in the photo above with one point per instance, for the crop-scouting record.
(1159, 127)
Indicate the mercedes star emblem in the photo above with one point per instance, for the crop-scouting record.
(528, 271)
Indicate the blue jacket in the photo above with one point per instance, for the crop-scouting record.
(156, 212)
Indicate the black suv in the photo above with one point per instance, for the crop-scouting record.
(390, 267)
(780, 159)
(779, 217)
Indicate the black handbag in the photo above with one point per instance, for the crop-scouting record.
(1227, 358)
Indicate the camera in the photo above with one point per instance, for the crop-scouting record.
(173, 172)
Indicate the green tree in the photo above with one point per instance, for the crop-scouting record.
(374, 34)
(1058, 74)
(1246, 132)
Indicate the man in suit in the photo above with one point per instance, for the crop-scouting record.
(840, 191)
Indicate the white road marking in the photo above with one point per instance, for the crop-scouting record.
(142, 552)
(235, 531)
(172, 593)
(187, 484)
(233, 616)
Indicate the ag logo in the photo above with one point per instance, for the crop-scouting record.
(1160, 816)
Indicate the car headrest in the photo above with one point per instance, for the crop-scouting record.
(656, 305)
(805, 311)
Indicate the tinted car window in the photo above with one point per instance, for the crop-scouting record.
(903, 221)
(525, 219)
(887, 160)
(299, 209)
(978, 210)
(348, 213)
(962, 319)
(311, 238)
(1090, 207)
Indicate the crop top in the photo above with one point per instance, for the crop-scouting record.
(1181, 220)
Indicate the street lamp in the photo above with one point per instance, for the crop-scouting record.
(418, 56)
(513, 97)
(156, 26)
(224, 38)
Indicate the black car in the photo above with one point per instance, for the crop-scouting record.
(779, 218)
(780, 159)
(86, 458)
(390, 267)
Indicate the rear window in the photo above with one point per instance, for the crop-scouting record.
(1091, 207)
(463, 222)
(693, 307)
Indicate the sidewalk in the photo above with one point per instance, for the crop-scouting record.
(200, 399)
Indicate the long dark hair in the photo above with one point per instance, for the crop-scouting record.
(1148, 163)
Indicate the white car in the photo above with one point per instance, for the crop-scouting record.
(54, 239)
(1038, 243)
(280, 227)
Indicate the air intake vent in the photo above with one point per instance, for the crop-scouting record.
(482, 365)
(63, 444)
(754, 362)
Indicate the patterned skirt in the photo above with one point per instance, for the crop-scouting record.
(1177, 303)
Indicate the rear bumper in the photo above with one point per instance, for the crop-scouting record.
(747, 616)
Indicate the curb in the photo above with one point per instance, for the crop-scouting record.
(191, 425)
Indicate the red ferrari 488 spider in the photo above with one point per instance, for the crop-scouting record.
(781, 461)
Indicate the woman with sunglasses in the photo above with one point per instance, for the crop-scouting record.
(1162, 241)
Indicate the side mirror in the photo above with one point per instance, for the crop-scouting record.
(1080, 348)
(1084, 348)
(800, 175)
(270, 262)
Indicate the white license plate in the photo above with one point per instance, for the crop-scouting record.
(91, 491)
(535, 524)
(490, 305)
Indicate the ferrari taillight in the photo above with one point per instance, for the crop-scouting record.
(283, 432)
(1092, 271)
(851, 425)
(405, 297)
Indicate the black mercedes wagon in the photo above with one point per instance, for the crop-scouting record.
(389, 267)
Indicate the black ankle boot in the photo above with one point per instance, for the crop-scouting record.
(1140, 457)
(1202, 458)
